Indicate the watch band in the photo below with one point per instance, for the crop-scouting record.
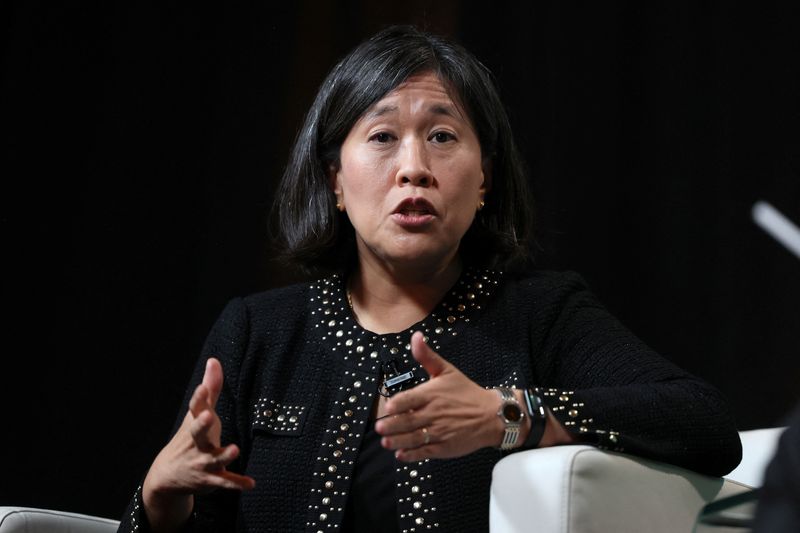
(538, 413)
(512, 416)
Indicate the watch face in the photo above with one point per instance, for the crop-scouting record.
(512, 412)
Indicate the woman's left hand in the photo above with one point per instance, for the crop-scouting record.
(448, 416)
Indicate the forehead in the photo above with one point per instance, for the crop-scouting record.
(423, 92)
(425, 82)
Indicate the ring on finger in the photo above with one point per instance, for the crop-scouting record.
(426, 436)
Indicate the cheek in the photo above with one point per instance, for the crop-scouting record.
(464, 197)
(461, 209)
(464, 179)
(363, 176)
(364, 198)
(466, 215)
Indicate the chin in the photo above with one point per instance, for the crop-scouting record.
(422, 258)
(417, 251)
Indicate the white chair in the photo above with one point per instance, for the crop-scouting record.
(27, 520)
(758, 447)
(580, 489)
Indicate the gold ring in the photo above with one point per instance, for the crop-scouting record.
(426, 435)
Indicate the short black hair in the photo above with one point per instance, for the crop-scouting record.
(315, 236)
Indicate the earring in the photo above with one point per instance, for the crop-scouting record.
(340, 207)
(480, 205)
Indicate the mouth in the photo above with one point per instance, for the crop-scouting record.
(414, 214)
(415, 207)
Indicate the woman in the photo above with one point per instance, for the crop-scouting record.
(379, 398)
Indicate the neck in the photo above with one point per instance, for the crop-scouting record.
(387, 299)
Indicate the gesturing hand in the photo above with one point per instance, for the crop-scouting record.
(193, 461)
(448, 416)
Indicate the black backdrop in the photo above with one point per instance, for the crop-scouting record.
(142, 146)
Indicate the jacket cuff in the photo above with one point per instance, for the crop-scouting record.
(576, 416)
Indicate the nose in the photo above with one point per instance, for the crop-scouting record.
(413, 167)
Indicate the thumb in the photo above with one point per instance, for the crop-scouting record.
(212, 379)
(433, 363)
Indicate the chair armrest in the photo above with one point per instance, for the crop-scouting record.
(758, 449)
(578, 489)
(28, 520)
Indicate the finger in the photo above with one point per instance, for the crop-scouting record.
(433, 363)
(226, 455)
(404, 402)
(411, 439)
(234, 481)
(200, 429)
(225, 480)
(217, 459)
(418, 397)
(199, 401)
(212, 379)
(410, 455)
(404, 422)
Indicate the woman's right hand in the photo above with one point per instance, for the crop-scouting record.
(193, 461)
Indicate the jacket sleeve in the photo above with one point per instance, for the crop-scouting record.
(227, 341)
(611, 390)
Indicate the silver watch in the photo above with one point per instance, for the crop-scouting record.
(512, 416)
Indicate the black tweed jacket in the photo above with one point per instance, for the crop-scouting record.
(301, 376)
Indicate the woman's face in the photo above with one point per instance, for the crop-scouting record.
(411, 176)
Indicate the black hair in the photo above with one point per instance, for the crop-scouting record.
(316, 236)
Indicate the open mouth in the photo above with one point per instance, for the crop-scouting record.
(415, 207)
(414, 213)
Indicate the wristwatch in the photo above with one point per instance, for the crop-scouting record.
(512, 416)
(538, 413)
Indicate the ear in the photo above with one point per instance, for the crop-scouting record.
(335, 183)
(486, 186)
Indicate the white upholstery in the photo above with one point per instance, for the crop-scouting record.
(758, 447)
(580, 489)
(27, 520)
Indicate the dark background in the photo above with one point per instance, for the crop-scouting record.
(141, 147)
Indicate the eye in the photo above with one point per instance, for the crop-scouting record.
(443, 137)
(381, 137)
